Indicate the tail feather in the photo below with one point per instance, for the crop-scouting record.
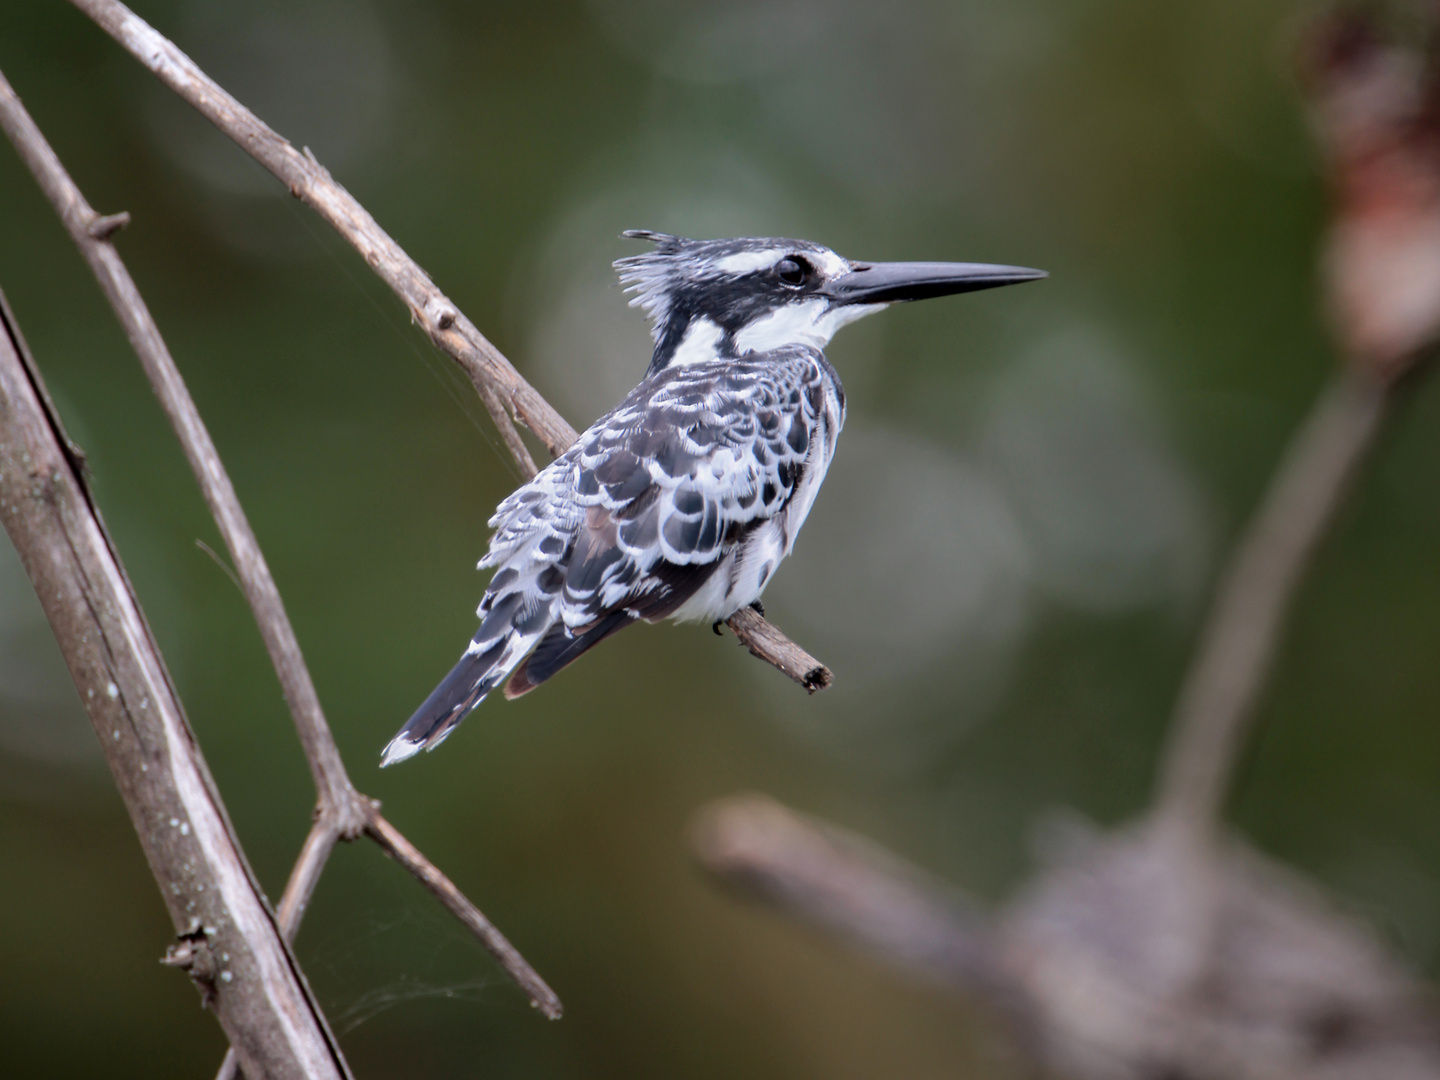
(559, 648)
(500, 643)
(459, 692)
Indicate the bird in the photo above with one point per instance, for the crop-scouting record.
(682, 501)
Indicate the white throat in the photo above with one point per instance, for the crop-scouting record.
(810, 322)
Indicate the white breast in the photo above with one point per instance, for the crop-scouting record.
(748, 568)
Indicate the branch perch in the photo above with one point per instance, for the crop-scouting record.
(766, 642)
(502, 388)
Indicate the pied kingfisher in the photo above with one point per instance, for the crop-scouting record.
(682, 500)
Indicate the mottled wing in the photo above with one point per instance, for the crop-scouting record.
(659, 489)
(672, 477)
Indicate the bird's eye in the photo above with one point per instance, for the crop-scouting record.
(792, 271)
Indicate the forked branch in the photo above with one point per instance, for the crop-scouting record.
(341, 813)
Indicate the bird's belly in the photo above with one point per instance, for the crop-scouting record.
(740, 578)
(709, 602)
(754, 562)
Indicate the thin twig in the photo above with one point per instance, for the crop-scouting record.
(1240, 638)
(499, 385)
(227, 939)
(403, 852)
(342, 813)
(304, 875)
(508, 435)
(311, 864)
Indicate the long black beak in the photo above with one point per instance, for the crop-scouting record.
(893, 283)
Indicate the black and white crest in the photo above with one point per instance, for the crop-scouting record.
(682, 501)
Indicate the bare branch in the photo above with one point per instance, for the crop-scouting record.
(1092, 963)
(309, 182)
(499, 385)
(311, 863)
(305, 875)
(230, 944)
(342, 813)
(326, 767)
(317, 849)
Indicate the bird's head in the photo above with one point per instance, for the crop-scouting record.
(721, 299)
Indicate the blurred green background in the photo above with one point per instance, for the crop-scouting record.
(1006, 570)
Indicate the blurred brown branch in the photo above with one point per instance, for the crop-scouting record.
(1242, 633)
(1170, 948)
(499, 385)
(227, 939)
(1092, 965)
(1376, 110)
(846, 884)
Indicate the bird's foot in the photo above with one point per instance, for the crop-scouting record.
(755, 604)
